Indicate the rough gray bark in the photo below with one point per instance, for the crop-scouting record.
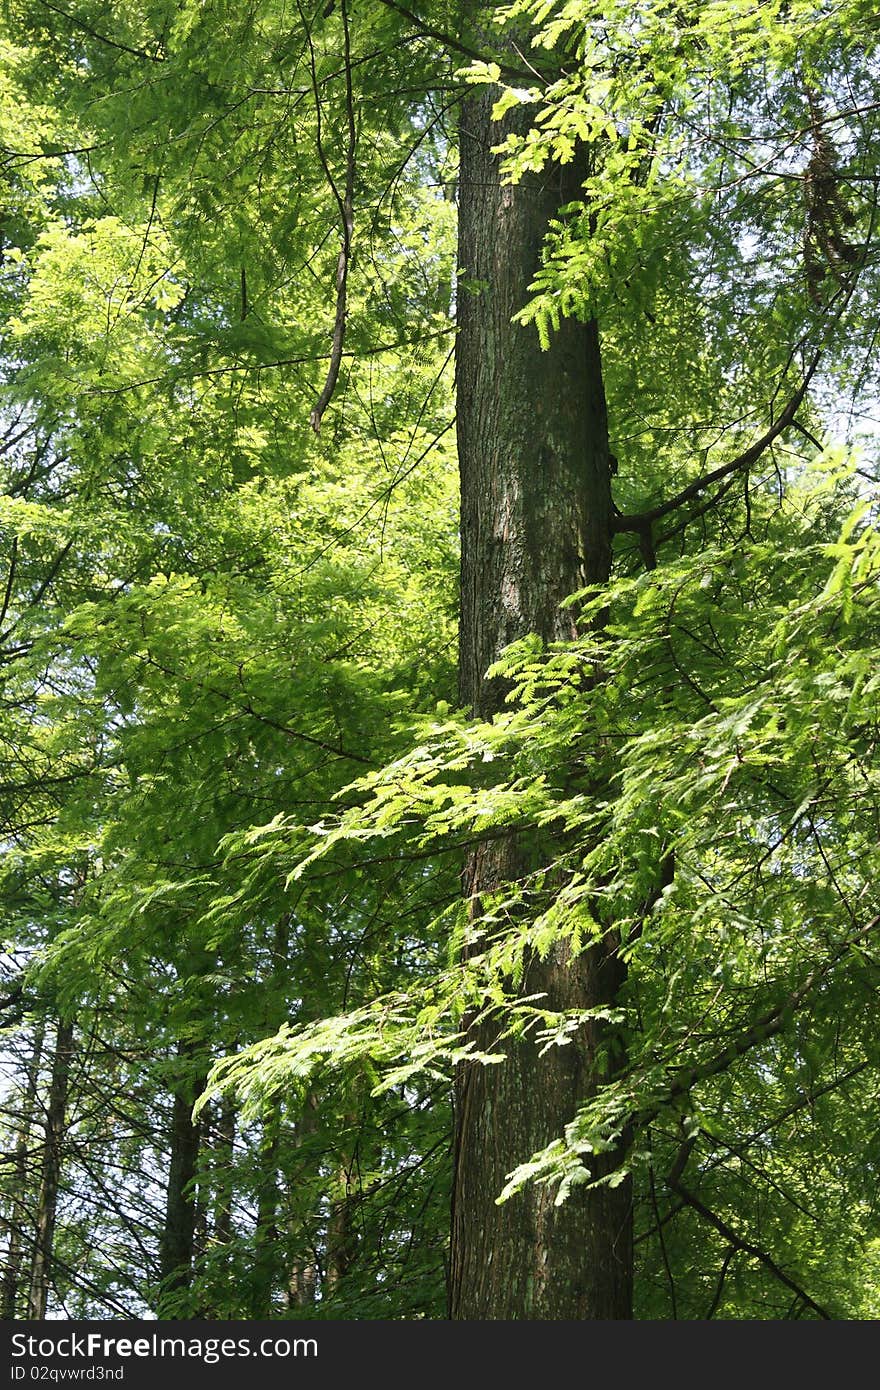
(47, 1204)
(536, 524)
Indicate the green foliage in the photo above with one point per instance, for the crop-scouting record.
(698, 774)
(214, 621)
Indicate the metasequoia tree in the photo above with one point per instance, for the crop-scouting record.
(536, 513)
(47, 1202)
(16, 1215)
(229, 537)
(538, 523)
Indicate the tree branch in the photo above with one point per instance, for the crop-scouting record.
(736, 1241)
(38, 596)
(719, 1288)
(641, 522)
(245, 706)
(102, 38)
(765, 1027)
(10, 580)
(345, 203)
(456, 46)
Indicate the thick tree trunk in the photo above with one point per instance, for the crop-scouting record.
(47, 1205)
(177, 1246)
(536, 525)
(21, 1182)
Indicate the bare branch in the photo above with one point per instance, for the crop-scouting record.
(345, 203)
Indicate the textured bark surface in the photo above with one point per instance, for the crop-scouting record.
(536, 525)
(532, 425)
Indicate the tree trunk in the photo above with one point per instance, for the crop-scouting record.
(302, 1282)
(342, 1235)
(267, 1272)
(18, 1199)
(223, 1163)
(535, 526)
(47, 1204)
(267, 1254)
(177, 1246)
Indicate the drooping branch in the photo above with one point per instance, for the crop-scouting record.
(641, 523)
(455, 45)
(735, 1240)
(345, 203)
(767, 1026)
(102, 38)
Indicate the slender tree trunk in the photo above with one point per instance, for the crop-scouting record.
(18, 1200)
(302, 1282)
(536, 525)
(177, 1246)
(268, 1273)
(47, 1204)
(224, 1156)
(342, 1235)
(264, 1275)
(302, 1287)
